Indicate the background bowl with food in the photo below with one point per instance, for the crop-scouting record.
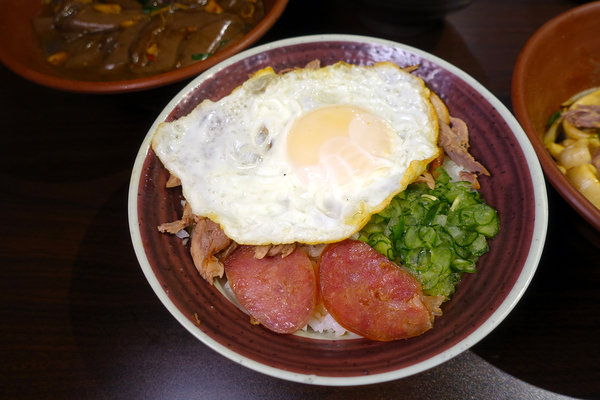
(556, 98)
(126, 45)
(514, 219)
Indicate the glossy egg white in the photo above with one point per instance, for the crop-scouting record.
(304, 156)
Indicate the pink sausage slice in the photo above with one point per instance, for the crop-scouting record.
(280, 293)
(369, 295)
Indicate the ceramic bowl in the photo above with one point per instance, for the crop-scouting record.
(482, 300)
(561, 59)
(21, 52)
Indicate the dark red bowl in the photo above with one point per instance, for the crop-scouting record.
(516, 189)
(562, 58)
(21, 53)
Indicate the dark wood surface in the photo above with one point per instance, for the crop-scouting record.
(78, 319)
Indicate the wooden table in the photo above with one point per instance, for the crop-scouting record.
(78, 319)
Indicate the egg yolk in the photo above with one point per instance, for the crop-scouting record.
(337, 144)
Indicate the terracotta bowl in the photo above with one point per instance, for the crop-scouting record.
(561, 59)
(482, 300)
(20, 52)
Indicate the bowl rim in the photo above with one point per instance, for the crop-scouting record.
(515, 294)
(557, 179)
(149, 82)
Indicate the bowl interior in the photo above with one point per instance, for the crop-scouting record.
(561, 59)
(20, 52)
(482, 300)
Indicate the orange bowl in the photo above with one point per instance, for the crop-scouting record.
(20, 52)
(561, 59)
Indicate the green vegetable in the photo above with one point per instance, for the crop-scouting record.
(148, 6)
(204, 56)
(556, 115)
(201, 56)
(438, 234)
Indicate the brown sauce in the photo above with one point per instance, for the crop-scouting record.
(126, 39)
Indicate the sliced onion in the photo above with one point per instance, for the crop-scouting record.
(574, 155)
(579, 95)
(584, 178)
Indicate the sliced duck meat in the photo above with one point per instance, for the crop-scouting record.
(454, 139)
(584, 116)
(208, 239)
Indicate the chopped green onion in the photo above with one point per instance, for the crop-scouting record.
(437, 234)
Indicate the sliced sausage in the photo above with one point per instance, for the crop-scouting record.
(280, 293)
(369, 295)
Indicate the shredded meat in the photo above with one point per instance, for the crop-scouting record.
(440, 108)
(470, 177)
(314, 250)
(223, 254)
(273, 250)
(427, 178)
(433, 304)
(435, 164)
(175, 226)
(261, 252)
(454, 140)
(207, 239)
(411, 68)
(461, 131)
(173, 181)
(314, 64)
(584, 116)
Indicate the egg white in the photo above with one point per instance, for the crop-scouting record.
(234, 164)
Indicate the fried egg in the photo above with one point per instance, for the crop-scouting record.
(304, 156)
